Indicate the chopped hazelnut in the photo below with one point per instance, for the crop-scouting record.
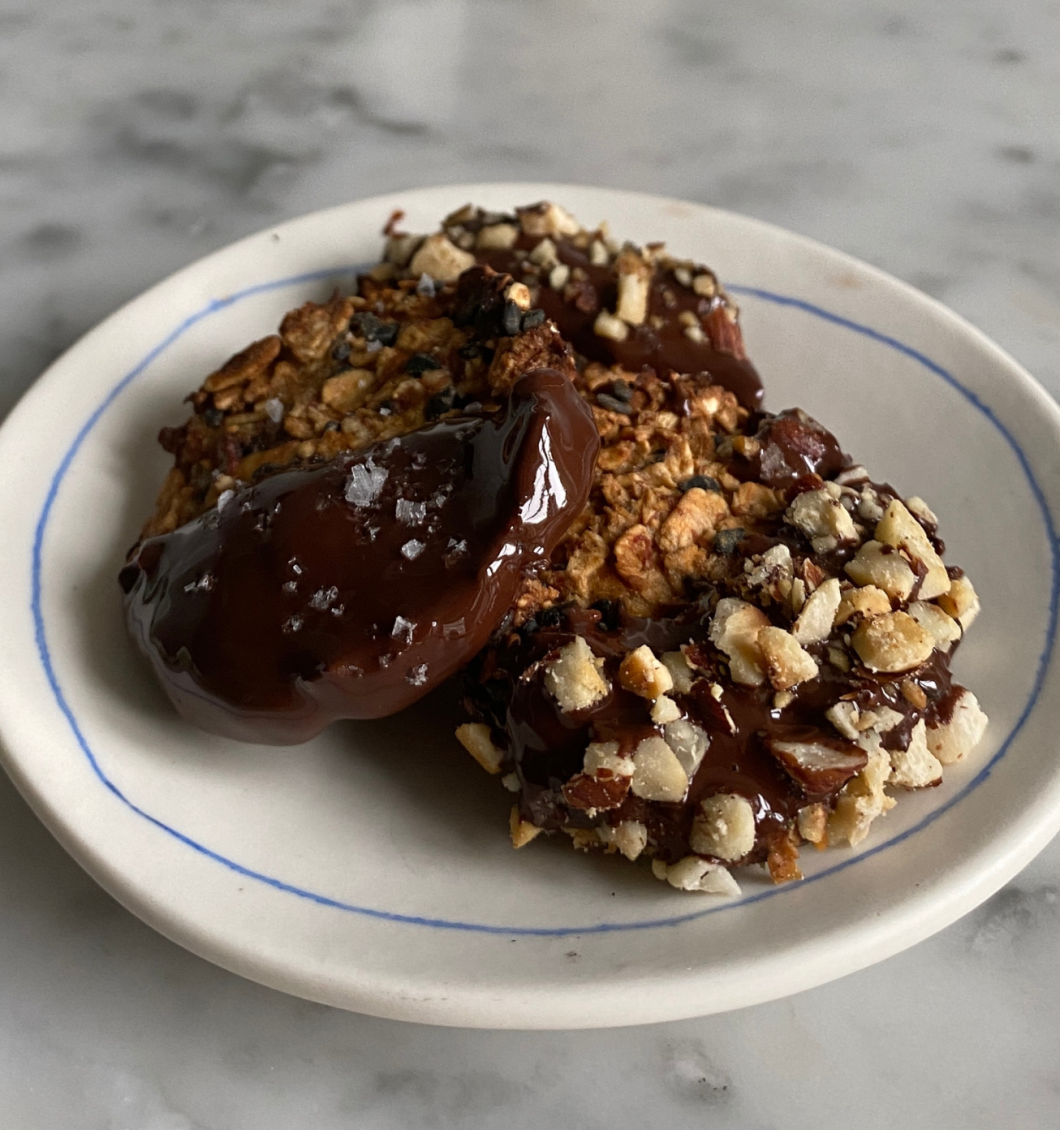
(607, 325)
(900, 529)
(695, 874)
(884, 568)
(522, 831)
(818, 613)
(497, 237)
(813, 824)
(861, 801)
(548, 219)
(558, 276)
(734, 631)
(892, 642)
(657, 773)
(476, 739)
(689, 743)
(819, 766)
(440, 259)
(822, 518)
(605, 755)
(951, 740)
(642, 674)
(867, 601)
(575, 677)
(519, 293)
(544, 254)
(630, 837)
(961, 602)
(945, 630)
(664, 710)
(680, 671)
(845, 717)
(723, 827)
(634, 282)
(787, 663)
(916, 766)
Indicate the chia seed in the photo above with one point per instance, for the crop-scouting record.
(704, 482)
(420, 363)
(726, 541)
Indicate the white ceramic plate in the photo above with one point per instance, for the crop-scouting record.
(371, 868)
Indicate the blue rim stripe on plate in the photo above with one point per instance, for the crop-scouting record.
(561, 931)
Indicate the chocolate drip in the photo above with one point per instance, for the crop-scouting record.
(349, 590)
(664, 347)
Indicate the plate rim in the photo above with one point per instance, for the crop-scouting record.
(1030, 844)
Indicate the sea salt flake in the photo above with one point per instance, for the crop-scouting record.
(290, 587)
(323, 598)
(412, 549)
(417, 676)
(455, 551)
(373, 346)
(425, 287)
(203, 584)
(409, 512)
(224, 498)
(274, 409)
(364, 484)
(402, 629)
(294, 624)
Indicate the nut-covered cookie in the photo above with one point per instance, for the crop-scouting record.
(619, 304)
(741, 646)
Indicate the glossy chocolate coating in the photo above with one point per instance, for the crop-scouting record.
(547, 746)
(666, 349)
(791, 446)
(351, 589)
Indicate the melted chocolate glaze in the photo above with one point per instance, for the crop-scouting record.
(665, 349)
(546, 745)
(791, 447)
(351, 589)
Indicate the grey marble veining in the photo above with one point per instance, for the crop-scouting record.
(135, 137)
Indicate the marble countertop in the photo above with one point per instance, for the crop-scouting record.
(135, 137)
